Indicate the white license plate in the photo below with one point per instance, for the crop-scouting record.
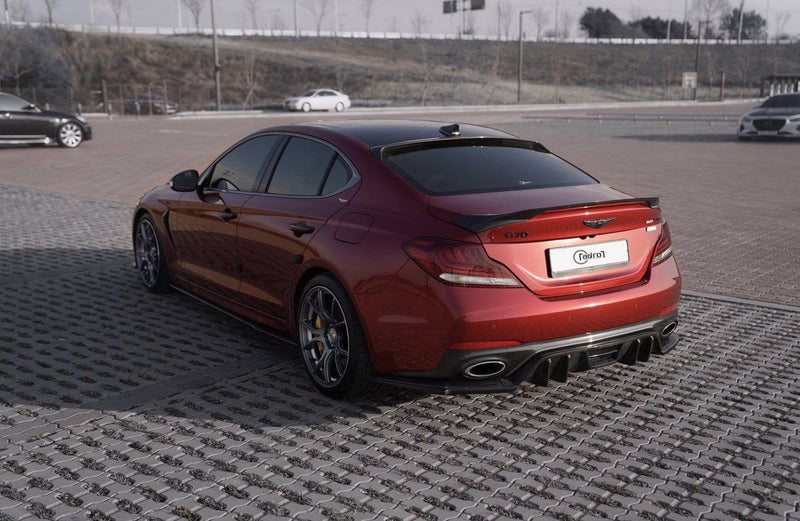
(588, 257)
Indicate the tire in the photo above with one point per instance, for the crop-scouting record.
(149, 252)
(328, 326)
(70, 135)
(339, 107)
(306, 107)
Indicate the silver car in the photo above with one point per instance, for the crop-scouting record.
(318, 99)
(779, 116)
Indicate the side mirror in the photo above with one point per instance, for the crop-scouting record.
(29, 106)
(185, 181)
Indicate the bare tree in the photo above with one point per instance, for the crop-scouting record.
(710, 11)
(19, 10)
(419, 24)
(195, 7)
(116, 8)
(781, 19)
(367, 6)
(251, 78)
(505, 16)
(251, 6)
(319, 10)
(51, 6)
(276, 21)
(567, 23)
(540, 18)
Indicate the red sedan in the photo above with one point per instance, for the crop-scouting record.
(448, 258)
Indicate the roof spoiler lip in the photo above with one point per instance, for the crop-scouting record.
(380, 151)
(482, 223)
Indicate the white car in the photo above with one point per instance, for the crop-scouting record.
(779, 116)
(318, 99)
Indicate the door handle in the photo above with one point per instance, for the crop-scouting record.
(228, 215)
(301, 229)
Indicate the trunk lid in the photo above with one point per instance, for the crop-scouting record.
(561, 241)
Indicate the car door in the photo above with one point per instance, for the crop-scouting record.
(310, 181)
(29, 122)
(17, 122)
(203, 224)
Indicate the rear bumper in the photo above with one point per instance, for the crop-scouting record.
(541, 362)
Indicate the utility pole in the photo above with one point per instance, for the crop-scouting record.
(697, 58)
(669, 20)
(296, 31)
(685, 19)
(6, 15)
(216, 57)
(180, 13)
(519, 56)
(741, 21)
(336, 17)
(91, 12)
(556, 26)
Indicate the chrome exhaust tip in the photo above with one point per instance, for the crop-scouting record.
(485, 369)
(669, 328)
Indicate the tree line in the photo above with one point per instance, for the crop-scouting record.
(718, 18)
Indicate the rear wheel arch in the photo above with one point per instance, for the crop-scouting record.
(302, 282)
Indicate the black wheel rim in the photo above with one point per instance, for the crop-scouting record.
(148, 254)
(324, 336)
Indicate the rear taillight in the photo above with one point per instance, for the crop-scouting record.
(460, 263)
(663, 246)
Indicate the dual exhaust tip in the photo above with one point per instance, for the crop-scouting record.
(669, 328)
(492, 368)
(485, 369)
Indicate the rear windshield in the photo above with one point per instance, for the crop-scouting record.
(449, 168)
(782, 102)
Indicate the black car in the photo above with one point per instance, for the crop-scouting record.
(145, 101)
(22, 123)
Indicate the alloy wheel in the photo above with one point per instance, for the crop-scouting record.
(70, 135)
(324, 336)
(148, 254)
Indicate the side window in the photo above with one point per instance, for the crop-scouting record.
(9, 102)
(337, 177)
(239, 169)
(302, 168)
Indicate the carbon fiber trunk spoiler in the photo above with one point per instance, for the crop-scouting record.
(481, 223)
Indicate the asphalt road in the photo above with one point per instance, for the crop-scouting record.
(116, 404)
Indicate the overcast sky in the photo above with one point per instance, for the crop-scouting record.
(388, 14)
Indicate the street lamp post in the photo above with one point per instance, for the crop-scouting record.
(216, 57)
(6, 15)
(519, 56)
(697, 56)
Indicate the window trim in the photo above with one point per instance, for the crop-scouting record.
(268, 175)
(208, 173)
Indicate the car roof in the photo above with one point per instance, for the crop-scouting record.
(377, 132)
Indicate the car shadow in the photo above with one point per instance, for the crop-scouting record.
(81, 332)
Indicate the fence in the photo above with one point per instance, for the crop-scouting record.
(780, 84)
(135, 99)
(149, 30)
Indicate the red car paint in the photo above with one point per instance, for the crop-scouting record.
(256, 267)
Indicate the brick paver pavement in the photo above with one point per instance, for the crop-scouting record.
(732, 206)
(118, 404)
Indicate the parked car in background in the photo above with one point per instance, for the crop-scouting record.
(145, 101)
(454, 259)
(318, 99)
(779, 116)
(22, 122)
